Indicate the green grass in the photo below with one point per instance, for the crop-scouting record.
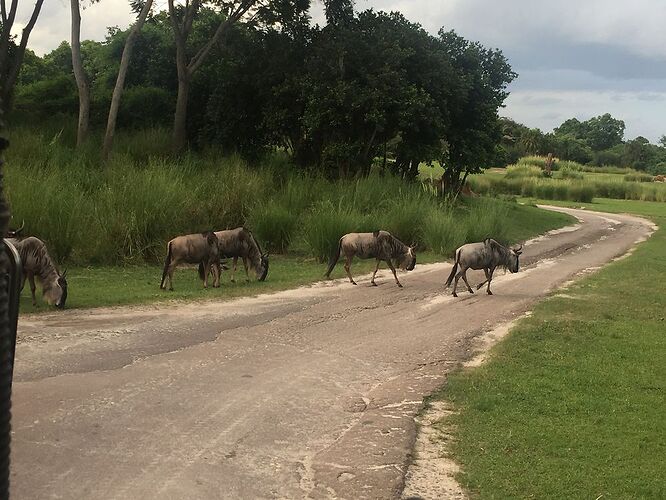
(571, 404)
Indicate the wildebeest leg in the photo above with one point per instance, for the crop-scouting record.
(455, 283)
(372, 281)
(485, 270)
(390, 264)
(464, 277)
(172, 268)
(31, 279)
(216, 273)
(247, 276)
(490, 278)
(348, 269)
(233, 271)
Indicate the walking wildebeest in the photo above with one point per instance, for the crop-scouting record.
(486, 255)
(380, 245)
(199, 248)
(240, 242)
(36, 261)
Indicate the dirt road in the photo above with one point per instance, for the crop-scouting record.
(310, 392)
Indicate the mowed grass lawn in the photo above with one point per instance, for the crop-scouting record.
(573, 403)
(105, 286)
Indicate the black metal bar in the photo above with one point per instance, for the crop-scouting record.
(14, 292)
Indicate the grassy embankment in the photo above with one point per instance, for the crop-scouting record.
(109, 224)
(570, 182)
(571, 404)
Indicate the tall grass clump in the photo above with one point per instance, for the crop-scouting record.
(523, 170)
(537, 161)
(566, 172)
(638, 177)
(487, 218)
(404, 218)
(443, 232)
(274, 225)
(569, 165)
(325, 225)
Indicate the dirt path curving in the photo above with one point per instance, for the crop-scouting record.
(305, 393)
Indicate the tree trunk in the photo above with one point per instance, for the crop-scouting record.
(120, 81)
(9, 69)
(80, 76)
(180, 117)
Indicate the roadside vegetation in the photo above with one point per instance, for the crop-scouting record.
(568, 181)
(571, 403)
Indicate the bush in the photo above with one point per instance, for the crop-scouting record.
(535, 161)
(567, 172)
(145, 107)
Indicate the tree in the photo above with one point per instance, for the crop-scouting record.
(122, 74)
(182, 19)
(80, 75)
(11, 54)
(662, 141)
(604, 132)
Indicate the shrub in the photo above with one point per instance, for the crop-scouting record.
(566, 172)
(537, 161)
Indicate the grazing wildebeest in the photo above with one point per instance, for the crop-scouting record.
(486, 255)
(380, 245)
(199, 248)
(36, 261)
(240, 242)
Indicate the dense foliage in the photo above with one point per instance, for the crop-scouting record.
(367, 85)
(598, 141)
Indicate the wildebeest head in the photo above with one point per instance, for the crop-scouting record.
(263, 267)
(408, 260)
(56, 294)
(513, 259)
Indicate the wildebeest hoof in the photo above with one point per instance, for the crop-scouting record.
(399, 285)
(471, 291)
(489, 292)
(354, 283)
(373, 283)
(233, 280)
(455, 294)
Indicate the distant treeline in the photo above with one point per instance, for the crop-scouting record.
(598, 141)
(366, 86)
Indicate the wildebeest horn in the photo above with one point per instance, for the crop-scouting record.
(64, 273)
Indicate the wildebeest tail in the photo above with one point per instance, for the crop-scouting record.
(202, 272)
(334, 259)
(166, 264)
(453, 270)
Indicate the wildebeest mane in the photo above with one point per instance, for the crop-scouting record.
(501, 251)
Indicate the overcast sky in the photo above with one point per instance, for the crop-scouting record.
(577, 58)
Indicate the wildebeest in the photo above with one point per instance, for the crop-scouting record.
(380, 245)
(240, 242)
(487, 255)
(198, 248)
(36, 261)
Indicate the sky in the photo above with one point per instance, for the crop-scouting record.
(574, 58)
